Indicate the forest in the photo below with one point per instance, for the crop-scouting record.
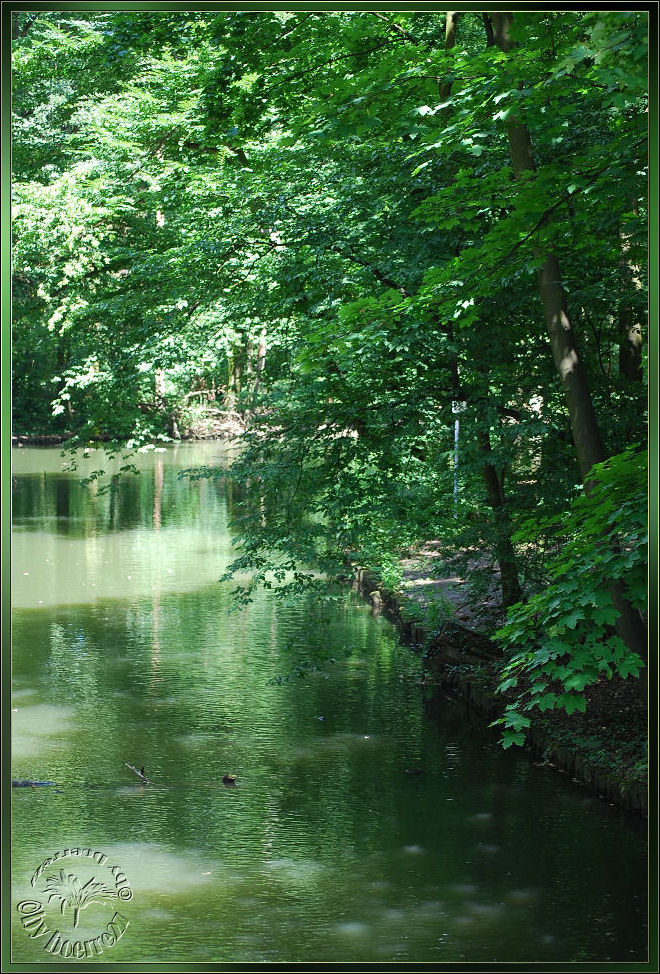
(402, 256)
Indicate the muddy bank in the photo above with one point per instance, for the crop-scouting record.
(227, 432)
(41, 439)
(462, 661)
(223, 425)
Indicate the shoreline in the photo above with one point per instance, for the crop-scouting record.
(466, 671)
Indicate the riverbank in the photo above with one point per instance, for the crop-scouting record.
(209, 424)
(603, 750)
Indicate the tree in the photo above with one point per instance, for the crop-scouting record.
(334, 225)
(584, 425)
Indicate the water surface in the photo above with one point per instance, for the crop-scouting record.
(325, 850)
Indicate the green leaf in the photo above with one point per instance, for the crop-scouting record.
(572, 702)
(512, 738)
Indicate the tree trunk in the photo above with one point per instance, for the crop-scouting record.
(444, 87)
(62, 362)
(630, 350)
(506, 556)
(488, 27)
(586, 433)
(504, 550)
(630, 326)
(234, 376)
(584, 425)
(159, 388)
(261, 360)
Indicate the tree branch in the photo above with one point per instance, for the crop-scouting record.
(383, 278)
(396, 28)
(323, 64)
(295, 27)
(19, 32)
(336, 248)
(555, 206)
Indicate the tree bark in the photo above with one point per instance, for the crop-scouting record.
(584, 425)
(630, 326)
(488, 27)
(630, 350)
(504, 550)
(444, 87)
(159, 387)
(506, 556)
(261, 360)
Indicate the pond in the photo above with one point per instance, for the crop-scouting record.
(125, 652)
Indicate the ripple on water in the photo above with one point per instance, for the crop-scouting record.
(486, 911)
(523, 896)
(330, 746)
(430, 909)
(164, 702)
(138, 790)
(299, 872)
(158, 914)
(391, 951)
(464, 889)
(198, 740)
(354, 930)
(379, 884)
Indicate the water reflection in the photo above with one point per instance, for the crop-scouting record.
(325, 849)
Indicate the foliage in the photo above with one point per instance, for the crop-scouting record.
(561, 639)
(307, 221)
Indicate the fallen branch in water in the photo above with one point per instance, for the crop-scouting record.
(27, 783)
(141, 775)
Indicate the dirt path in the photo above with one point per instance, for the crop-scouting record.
(437, 584)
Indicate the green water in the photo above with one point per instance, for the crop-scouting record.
(325, 850)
